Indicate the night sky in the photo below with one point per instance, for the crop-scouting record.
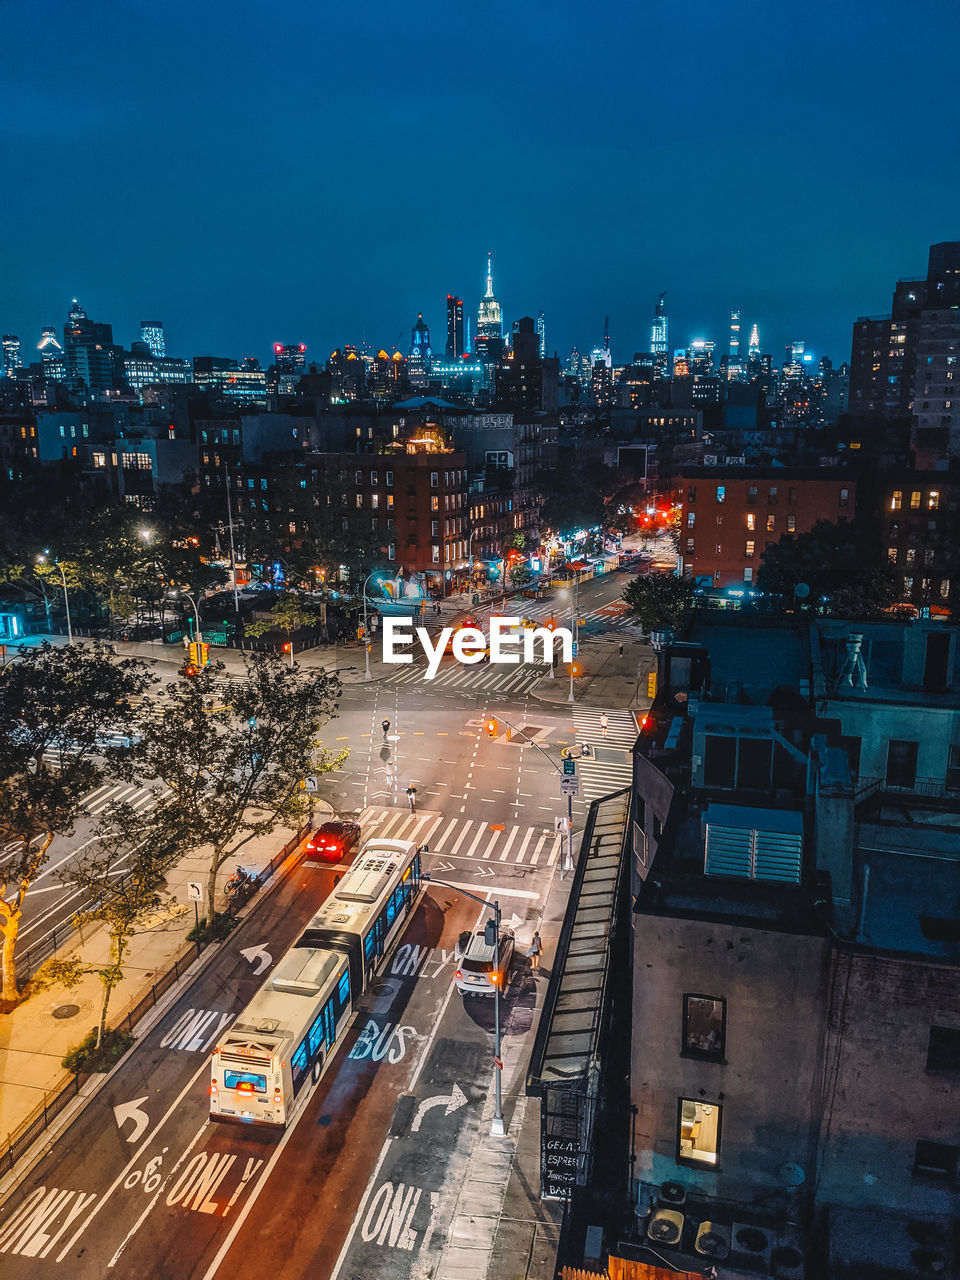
(252, 172)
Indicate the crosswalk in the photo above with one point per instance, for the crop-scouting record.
(486, 678)
(613, 615)
(141, 799)
(611, 766)
(464, 838)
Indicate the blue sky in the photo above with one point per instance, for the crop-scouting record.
(253, 173)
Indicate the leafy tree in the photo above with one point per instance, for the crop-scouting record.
(234, 774)
(292, 612)
(52, 699)
(520, 573)
(841, 562)
(575, 498)
(658, 600)
(119, 902)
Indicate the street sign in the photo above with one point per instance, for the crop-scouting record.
(576, 648)
(569, 786)
(312, 784)
(194, 891)
(570, 768)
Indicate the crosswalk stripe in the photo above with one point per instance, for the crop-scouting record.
(440, 839)
(463, 836)
(510, 839)
(494, 837)
(479, 836)
(427, 835)
(523, 847)
(397, 820)
(535, 856)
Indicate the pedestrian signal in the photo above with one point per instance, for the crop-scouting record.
(651, 684)
(491, 728)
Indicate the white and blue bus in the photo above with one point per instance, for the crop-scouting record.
(264, 1067)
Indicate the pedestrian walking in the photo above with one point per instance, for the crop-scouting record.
(386, 729)
(412, 797)
(438, 610)
(533, 951)
(603, 724)
(620, 646)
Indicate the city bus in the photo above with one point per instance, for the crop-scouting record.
(266, 1064)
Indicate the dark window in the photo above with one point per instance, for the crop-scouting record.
(943, 1051)
(719, 761)
(901, 763)
(704, 1027)
(937, 660)
(936, 1160)
(852, 747)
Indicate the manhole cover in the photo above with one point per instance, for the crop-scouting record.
(66, 1011)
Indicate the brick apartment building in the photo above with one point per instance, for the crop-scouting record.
(920, 511)
(731, 515)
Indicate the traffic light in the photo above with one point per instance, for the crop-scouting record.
(194, 651)
(360, 633)
(491, 728)
(651, 684)
(204, 654)
(286, 646)
(490, 933)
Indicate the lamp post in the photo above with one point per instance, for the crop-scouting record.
(568, 855)
(66, 596)
(196, 614)
(497, 1127)
(575, 628)
(366, 628)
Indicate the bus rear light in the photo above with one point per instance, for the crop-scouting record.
(213, 1087)
(277, 1097)
(459, 974)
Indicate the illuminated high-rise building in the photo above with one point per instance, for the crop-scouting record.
(51, 355)
(454, 348)
(734, 363)
(11, 355)
(542, 332)
(289, 366)
(659, 334)
(489, 322)
(89, 350)
(753, 348)
(420, 354)
(700, 356)
(151, 333)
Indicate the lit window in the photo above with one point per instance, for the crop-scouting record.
(909, 556)
(721, 492)
(933, 499)
(434, 504)
(359, 499)
(791, 524)
(944, 588)
(896, 502)
(698, 1131)
(704, 1027)
(749, 548)
(751, 521)
(748, 573)
(771, 524)
(389, 501)
(915, 500)
(435, 553)
(374, 501)
(892, 555)
(691, 519)
(373, 478)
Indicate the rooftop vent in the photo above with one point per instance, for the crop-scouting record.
(753, 844)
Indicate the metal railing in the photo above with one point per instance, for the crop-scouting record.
(926, 788)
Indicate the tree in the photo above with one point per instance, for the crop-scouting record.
(520, 573)
(290, 614)
(658, 600)
(235, 774)
(53, 700)
(841, 565)
(119, 902)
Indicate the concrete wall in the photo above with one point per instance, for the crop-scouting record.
(876, 723)
(775, 989)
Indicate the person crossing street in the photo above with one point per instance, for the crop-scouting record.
(603, 724)
(386, 728)
(412, 797)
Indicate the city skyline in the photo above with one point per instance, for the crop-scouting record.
(309, 230)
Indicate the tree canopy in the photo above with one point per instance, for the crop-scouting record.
(658, 600)
(840, 563)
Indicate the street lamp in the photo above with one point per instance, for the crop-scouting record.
(497, 1128)
(574, 626)
(196, 613)
(366, 628)
(66, 597)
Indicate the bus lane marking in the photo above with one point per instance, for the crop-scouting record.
(195, 1030)
(28, 1231)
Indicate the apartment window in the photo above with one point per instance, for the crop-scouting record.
(698, 1132)
(719, 548)
(63, 432)
(434, 504)
(892, 554)
(689, 546)
(434, 479)
(751, 521)
(936, 1161)
(704, 1027)
(692, 493)
(374, 501)
(901, 763)
(907, 586)
(389, 479)
(933, 500)
(844, 497)
(435, 553)
(791, 524)
(748, 573)
(358, 477)
(373, 478)
(752, 493)
(944, 588)
(772, 495)
(909, 556)
(928, 555)
(953, 767)
(721, 492)
(771, 524)
(691, 519)
(896, 502)
(359, 499)
(791, 495)
(392, 551)
(915, 500)
(749, 548)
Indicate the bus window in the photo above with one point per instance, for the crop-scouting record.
(329, 1023)
(245, 1081)
(391, 909)
(298, 1066)
(343, 991)
(315, 1036)
(370, 946)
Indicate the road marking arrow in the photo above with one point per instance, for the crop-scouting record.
(456, 1100)
(484, 871)
(258, 953)
(443, 866)
(132, 1111)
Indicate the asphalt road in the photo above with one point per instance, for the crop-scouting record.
(142, 1185)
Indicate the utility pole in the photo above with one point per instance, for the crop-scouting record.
(233, 554)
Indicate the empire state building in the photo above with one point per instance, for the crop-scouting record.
(489, 344)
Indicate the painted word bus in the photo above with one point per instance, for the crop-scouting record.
(265, 1065)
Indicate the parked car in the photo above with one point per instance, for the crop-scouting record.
(477, 972)
(333, 841)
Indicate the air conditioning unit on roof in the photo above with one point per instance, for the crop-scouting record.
(665, 1227)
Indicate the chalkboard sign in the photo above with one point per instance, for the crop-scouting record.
(559, 1163)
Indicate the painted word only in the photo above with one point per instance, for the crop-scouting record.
(507, 641)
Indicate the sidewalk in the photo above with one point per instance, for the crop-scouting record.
(37, 1034)
(608, 680)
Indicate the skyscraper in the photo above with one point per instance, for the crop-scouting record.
(734, 364)
(659, 335)
(489, 322)
(455, 347)
(542, 331)
(11, 355)
(51, 355)
(418, 367)
(151, 332)
(753, 349)
(89, 350)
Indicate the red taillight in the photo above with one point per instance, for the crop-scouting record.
(459, 973)
(213, 1086)
(244, 1087)
(277, 1097)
